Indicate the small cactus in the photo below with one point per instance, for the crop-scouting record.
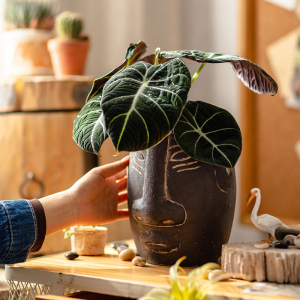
(68, 25)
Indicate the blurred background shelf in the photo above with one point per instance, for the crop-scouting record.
(36, 123)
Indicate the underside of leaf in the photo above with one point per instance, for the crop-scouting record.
(252, 76)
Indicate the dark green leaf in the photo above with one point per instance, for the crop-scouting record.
(209, 134)
(88, 131)
(252, 76)
(142, 103)
(133, 54)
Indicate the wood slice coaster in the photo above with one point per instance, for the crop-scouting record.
(273, 264)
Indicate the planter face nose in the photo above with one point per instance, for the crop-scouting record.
(178, 206)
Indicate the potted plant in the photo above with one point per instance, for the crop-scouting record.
(181, 180)
(87, 240)
(69, 50)
(29, 26)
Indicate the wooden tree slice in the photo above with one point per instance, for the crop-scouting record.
(273, 264)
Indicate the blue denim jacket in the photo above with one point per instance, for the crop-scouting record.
(18, 230)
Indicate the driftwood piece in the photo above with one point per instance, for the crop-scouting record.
(273, 264)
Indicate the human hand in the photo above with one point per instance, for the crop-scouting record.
(99, 192)
(92, 200)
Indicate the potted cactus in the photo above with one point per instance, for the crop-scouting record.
(28, 27)
(69, 50)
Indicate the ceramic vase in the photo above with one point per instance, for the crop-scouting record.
(179, 206)
(26, 53)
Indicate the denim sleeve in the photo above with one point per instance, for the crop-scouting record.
(18, 230)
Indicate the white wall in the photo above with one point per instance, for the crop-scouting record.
(170, 25)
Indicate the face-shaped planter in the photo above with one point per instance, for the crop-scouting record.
(179, 206)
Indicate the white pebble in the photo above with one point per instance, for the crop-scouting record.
(216, 273)
(127, 254)
(290, 238)
(297, 241)
(121, 248)
(261, 245)
(213, 274)
(139, 261)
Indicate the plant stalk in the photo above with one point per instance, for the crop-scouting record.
(197, 73)
(157, 51)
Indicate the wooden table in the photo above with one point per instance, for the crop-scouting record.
(107, 274)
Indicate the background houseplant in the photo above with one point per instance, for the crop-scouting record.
(29, 26)
(87, 240)
(138, 105)
(69, 50)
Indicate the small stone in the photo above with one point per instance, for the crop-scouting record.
(297, 241)
(261, 245)
(282, 244)
(139, 261)
(290, 238)
(216, 273)
(115, 245)
(71, 255)
(127, 254)
(121, 248)
(205, 273)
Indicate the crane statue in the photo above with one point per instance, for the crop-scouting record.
(265, 222)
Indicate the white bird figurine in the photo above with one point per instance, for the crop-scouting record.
(265, 222)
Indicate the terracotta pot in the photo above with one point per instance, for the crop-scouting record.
(26, 53)
(179, 206)
(68, 57)
(88, 240)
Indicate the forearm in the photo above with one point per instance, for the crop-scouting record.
(18, 230)
(60, 211)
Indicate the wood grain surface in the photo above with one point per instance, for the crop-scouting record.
(110, 270)
(272, 264)
(49, 93)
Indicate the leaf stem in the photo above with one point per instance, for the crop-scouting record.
(157, 51)
(197, 73)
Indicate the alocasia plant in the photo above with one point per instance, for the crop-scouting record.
(143, 100)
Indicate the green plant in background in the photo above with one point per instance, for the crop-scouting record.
(144, 100)
(67, 233)
(29, 14)
(194, 287)
(68, 25)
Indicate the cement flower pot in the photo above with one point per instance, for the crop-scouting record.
(179, 206)
(88, 240)
(26, 53)
(68, 56)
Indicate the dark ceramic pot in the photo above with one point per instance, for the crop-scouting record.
(179, 206)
